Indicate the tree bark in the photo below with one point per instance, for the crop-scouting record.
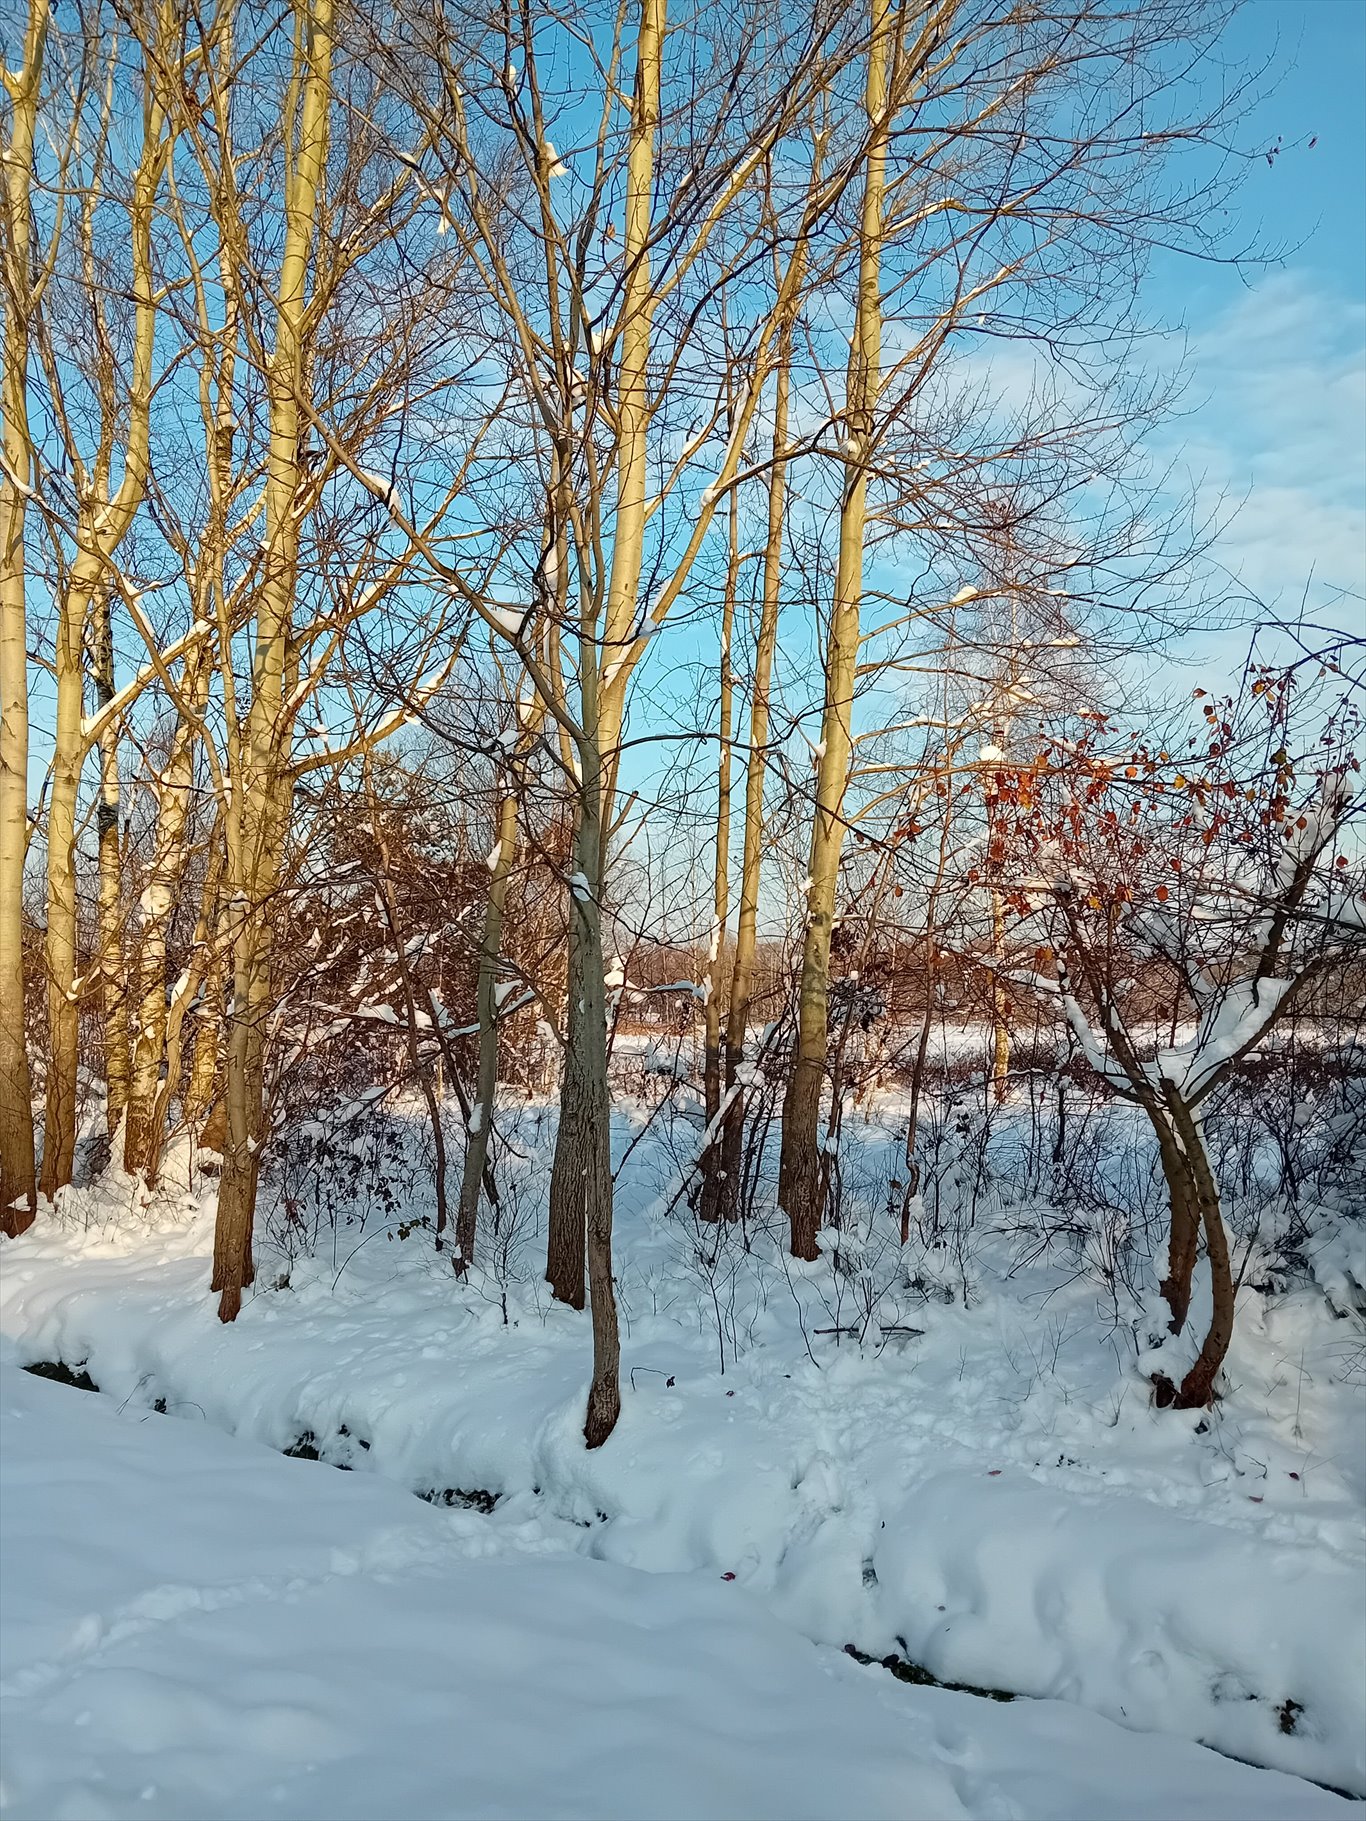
(59, 947)
(1197, 1388)
(581, 1181)
(18, 1186)
(566, 1248)
(604, 1393)
(204, 964)
(1184, 1236)
(234, 1268)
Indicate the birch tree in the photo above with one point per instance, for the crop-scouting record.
(18, 1187)
(580, 288)
(726, 1162)
(979, 216)
(104, 511)
(308, 323)
(799, 1190)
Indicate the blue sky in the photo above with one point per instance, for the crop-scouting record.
(1273, 437)
(1276, 425)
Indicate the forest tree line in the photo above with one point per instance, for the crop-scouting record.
(496, 499)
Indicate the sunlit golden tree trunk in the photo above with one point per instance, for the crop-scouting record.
(105, 516)
(17, 1184)
(113, 987)
(800, 1175)
(582, 1176)
(165, 875)
(201, 1089)
(259, 760)
(579, 1180)
(204, 967)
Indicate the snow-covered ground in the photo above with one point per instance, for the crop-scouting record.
(196, 1628)
(975, 1482)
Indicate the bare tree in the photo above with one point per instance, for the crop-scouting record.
(596, 381)
(1222, 880)
(18, 1188)
(976, 218)
(799, 1190)
(103, 509)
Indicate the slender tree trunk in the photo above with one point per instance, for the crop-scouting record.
(234, 1268)
(204, 962)
(202, 1089)
(713, 1069)
(18, 1187)
(113, 986)
(205, 1107)
(747, 920)
(63, 987)
(104, 520)
(799, 1174)
(1000, 1005)
(486, 1083)
(603, 713)
(581, 1180)
(566, 1240)
(254, 873)
(632, 399)
(142, 1143)
(254, 863)
(566, 1251)
(263, 787)
(911, 1188)
(604, 1394)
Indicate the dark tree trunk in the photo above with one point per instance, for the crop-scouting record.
(581, 1182)
(800, 1178)
(566, 1242)
(1197, 1388)
(1184, 1237)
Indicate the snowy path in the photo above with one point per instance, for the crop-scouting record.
(195, 1627)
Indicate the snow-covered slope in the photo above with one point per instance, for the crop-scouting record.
(195, 1627)
(983, 1487)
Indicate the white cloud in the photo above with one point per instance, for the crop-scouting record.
(1277, 433)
